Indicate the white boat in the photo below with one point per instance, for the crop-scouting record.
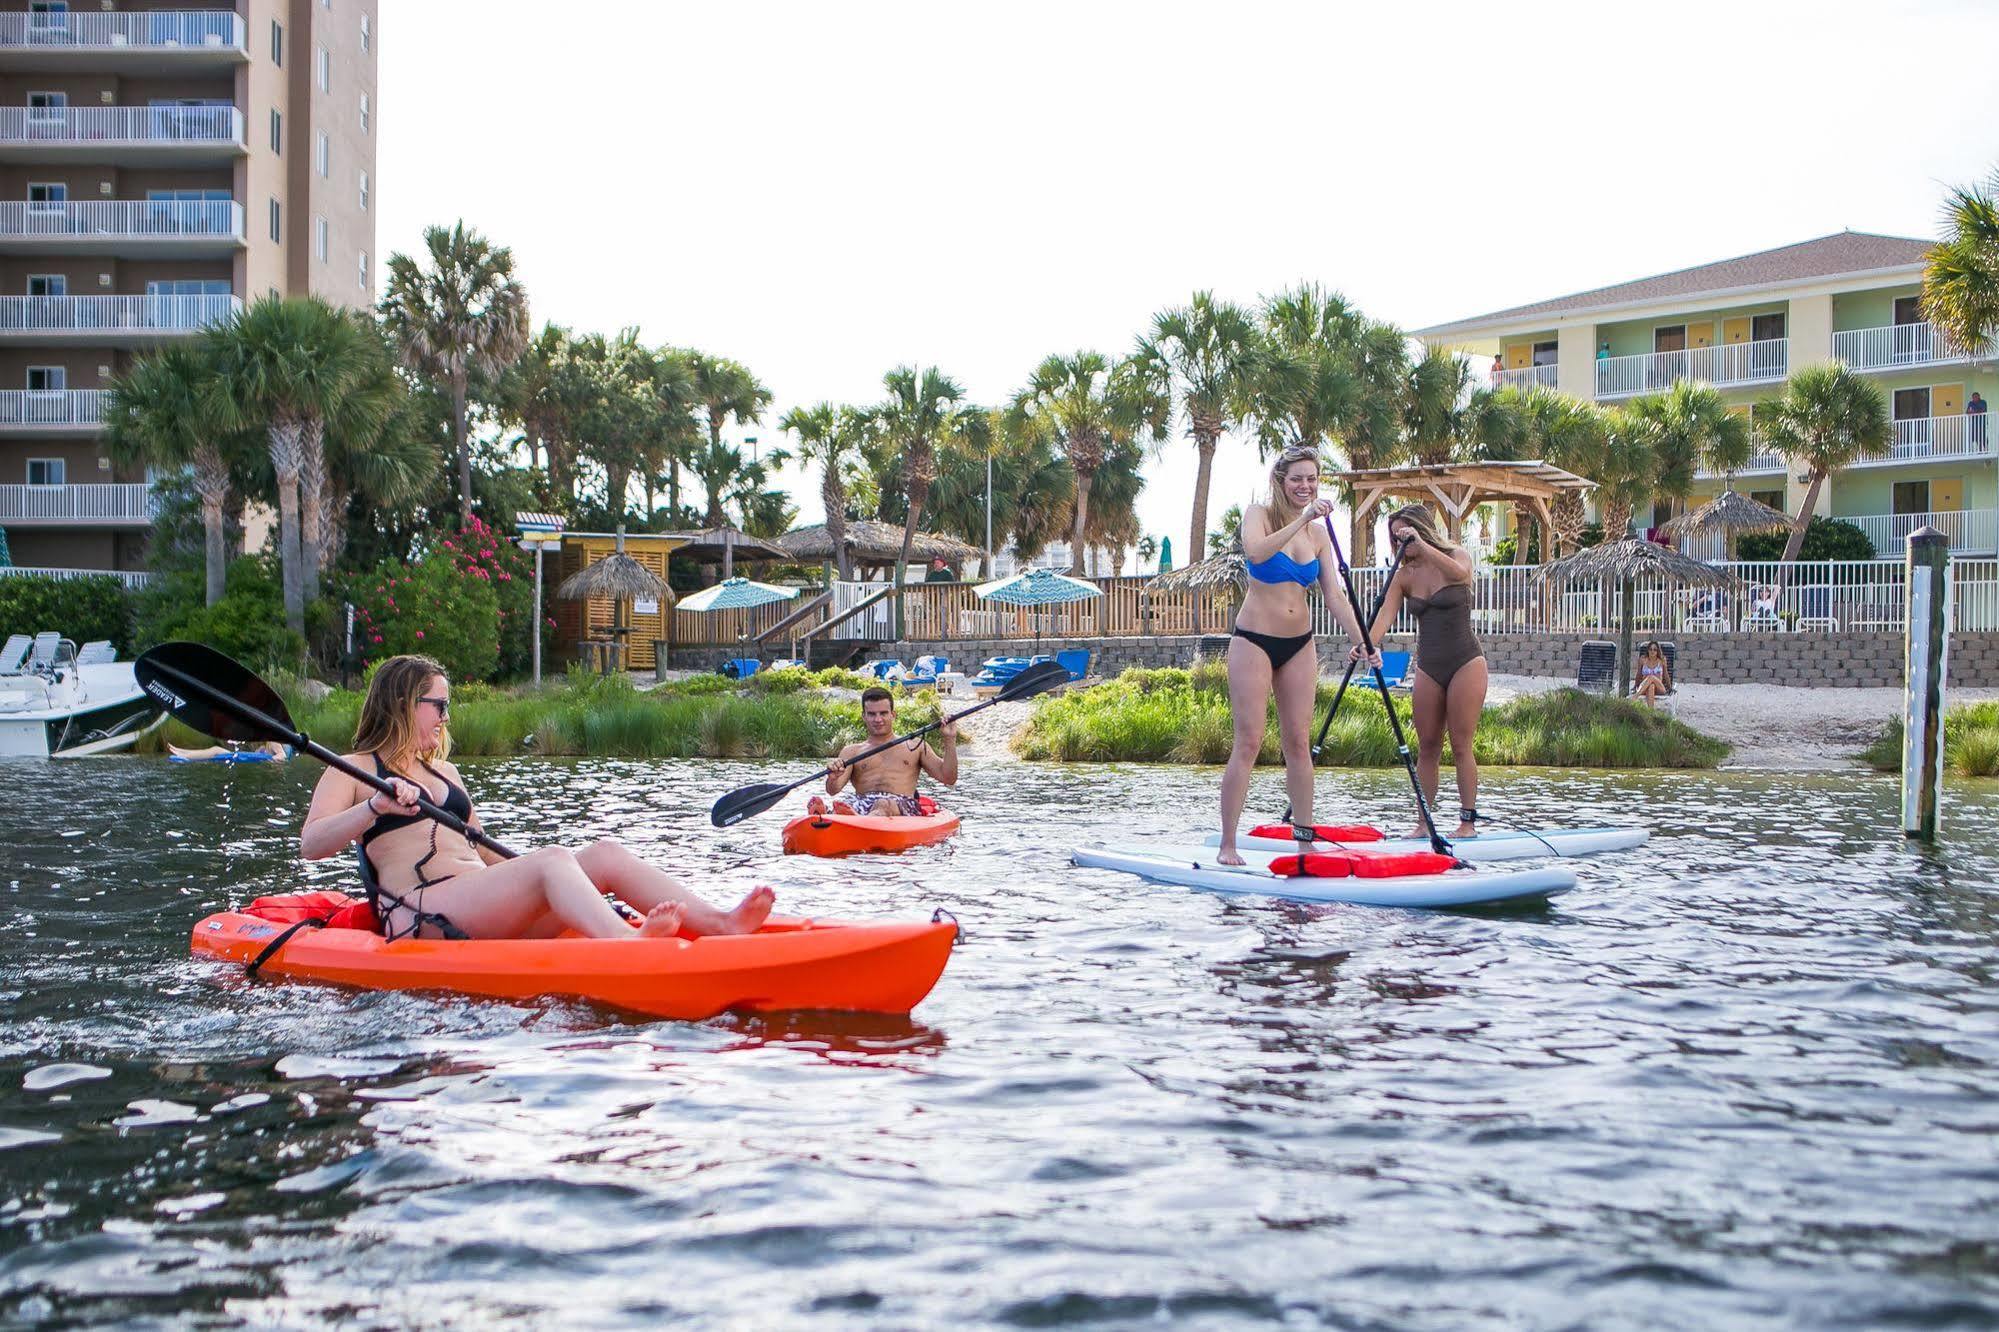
(58, 703)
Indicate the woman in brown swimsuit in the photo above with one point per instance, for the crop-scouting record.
(1435, 580)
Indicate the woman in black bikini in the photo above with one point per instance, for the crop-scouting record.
(1435, 581)
(430, 875)
(1286, 548)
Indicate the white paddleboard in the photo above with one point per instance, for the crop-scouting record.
(1511, 844)
(1196, 867)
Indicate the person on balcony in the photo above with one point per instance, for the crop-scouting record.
(1975, 409)
(1603, 351)
(1498, 372)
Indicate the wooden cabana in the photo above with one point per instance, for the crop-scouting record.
(577, 622)
(1458, 488)
(874, 547)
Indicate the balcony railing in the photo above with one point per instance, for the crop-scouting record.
(1936, 439)
(163, 29)
(113, 314)
(1968, 529)
(116, 125)
(132, 578)
(1735, 363)
(116, 503)
(138, 219)
(1526, 377)
(51, 407)
(1899, 346)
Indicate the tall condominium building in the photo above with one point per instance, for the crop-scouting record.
(159, 167)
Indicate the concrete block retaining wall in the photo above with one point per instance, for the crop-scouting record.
(1855, 659)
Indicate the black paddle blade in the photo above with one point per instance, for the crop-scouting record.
(213, 693)
(747, 802)
(1034, 680)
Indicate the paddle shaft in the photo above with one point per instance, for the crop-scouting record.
(1325, 727)
(1437, 842)
(305, 744)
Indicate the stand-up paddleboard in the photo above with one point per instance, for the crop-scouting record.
(1196, 867)
(1511, 844)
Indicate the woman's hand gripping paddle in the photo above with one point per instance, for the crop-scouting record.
(748, 801)
(220, 697)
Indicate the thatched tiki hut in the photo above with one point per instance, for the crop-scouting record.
(615, 577)
(873, 548)
(1227, 573)
(1624, 564)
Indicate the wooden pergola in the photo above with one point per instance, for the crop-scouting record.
(1458, 488)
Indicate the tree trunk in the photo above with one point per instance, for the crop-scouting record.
(614, 490)
(312, 505)
(1617, 520)
(1360, 538)
(287, 449)
(459, 433)
(1624, 640)
(919, 491)
(1206, 433)
(1570, 519)
(673, 489)
(1084, 480)
(834, 496)
(211, 483)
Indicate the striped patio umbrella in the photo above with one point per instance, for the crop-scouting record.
(1036, 588)
(736, 594)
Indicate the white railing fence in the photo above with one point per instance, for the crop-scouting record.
(1732, 363)
(121, 124)
(131, 578)
(51, 407)
(70, 221)
(1968, 529)
(159, 29)
(1526, 377)
(116, 502)
(1897, 345)
(113, 314)
(1928, 438)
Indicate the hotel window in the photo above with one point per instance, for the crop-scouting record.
(277, 132)
(1773, 498)
(319, 239)
(277, 44)
(1908, 310)
(47, 106)
(364, 113)
(1546, 353)
(364, 191)
(322, 69)
(48, 378)
(323, 154)
(1765, 328)
(47, 197)
(1912, 497)
(1912, 403)
(45, 471)
(277, 221)
(361, 268)
(48, 284)
(367, 34)
(188, 287)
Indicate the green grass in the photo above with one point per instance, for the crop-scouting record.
(1179, 716)
(1970, 742)
(587, 715)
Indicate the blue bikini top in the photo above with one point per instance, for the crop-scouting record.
(1281, 568)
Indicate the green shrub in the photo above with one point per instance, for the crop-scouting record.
(435, 608)
(1825, 539)
(80, 609)
(248, 622)
(1970, 742)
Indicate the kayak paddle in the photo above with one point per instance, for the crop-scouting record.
(1325, 728)
(748, 801)
(217, 695)
(1437, 842)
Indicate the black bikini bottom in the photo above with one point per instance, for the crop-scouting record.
(1280, 648)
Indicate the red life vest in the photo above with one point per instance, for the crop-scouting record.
(336, 911)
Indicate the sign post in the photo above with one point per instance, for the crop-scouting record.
(540, 532)
(1926, 657)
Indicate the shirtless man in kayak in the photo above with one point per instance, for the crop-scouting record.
(885, 784)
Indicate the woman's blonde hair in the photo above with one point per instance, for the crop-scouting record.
(1418, 517)
(387, 725)
(1282, 511)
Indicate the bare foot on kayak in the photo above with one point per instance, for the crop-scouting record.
(751, 912)
(662, 922)
(1228, 855)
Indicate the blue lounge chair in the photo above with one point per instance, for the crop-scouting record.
(1395, 669)
(741, 668)
(1076, 661)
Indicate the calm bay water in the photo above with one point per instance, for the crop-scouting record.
(1743, 1076)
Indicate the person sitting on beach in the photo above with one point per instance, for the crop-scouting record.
(433, 881)
(1655, 677)
(276, 749)
(885, 783)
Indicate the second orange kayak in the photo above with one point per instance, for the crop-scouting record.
(850, 834)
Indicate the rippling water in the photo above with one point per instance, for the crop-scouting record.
(1742, 1076)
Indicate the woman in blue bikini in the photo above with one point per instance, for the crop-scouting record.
(1287, 549)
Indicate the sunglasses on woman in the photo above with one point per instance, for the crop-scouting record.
(443, 705)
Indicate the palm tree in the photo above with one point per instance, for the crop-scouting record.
(1032, 492)
(1090, 406)
(1628, 466)
(606, 385)
(1441, 406)
(156, 415)
(722, 389)
(1829, 418)
(1148, 546)
(1694, 431)
(831, 437)
(1305, 388)
(1961, 275)
(1114, 493)
(920, 414)
(528, 397)
(287, 366)
(376, 467)
(1203, 352)
(464, 317)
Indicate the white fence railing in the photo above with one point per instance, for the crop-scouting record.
(1734, 363)
(1968, 529)
(1897, 346)
(114, 125)
(121, 218)
(1936, 438)
(51, 407)
(1526, 377)
(132, 578)
(163, 29)
(1763, 460)
(114, 314)
(121, 502)
(875, 623)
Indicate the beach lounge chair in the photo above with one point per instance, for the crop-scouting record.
(95, 652)
(1395, 669)
(1815, 609)
(1076, 661)
(1596, 667)
(885, 668)
(42, 657)
(14, 657)
(740, 668)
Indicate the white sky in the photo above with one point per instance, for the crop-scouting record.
(823, 191)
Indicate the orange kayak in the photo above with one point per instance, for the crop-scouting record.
(789, 964)
(847, 834)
